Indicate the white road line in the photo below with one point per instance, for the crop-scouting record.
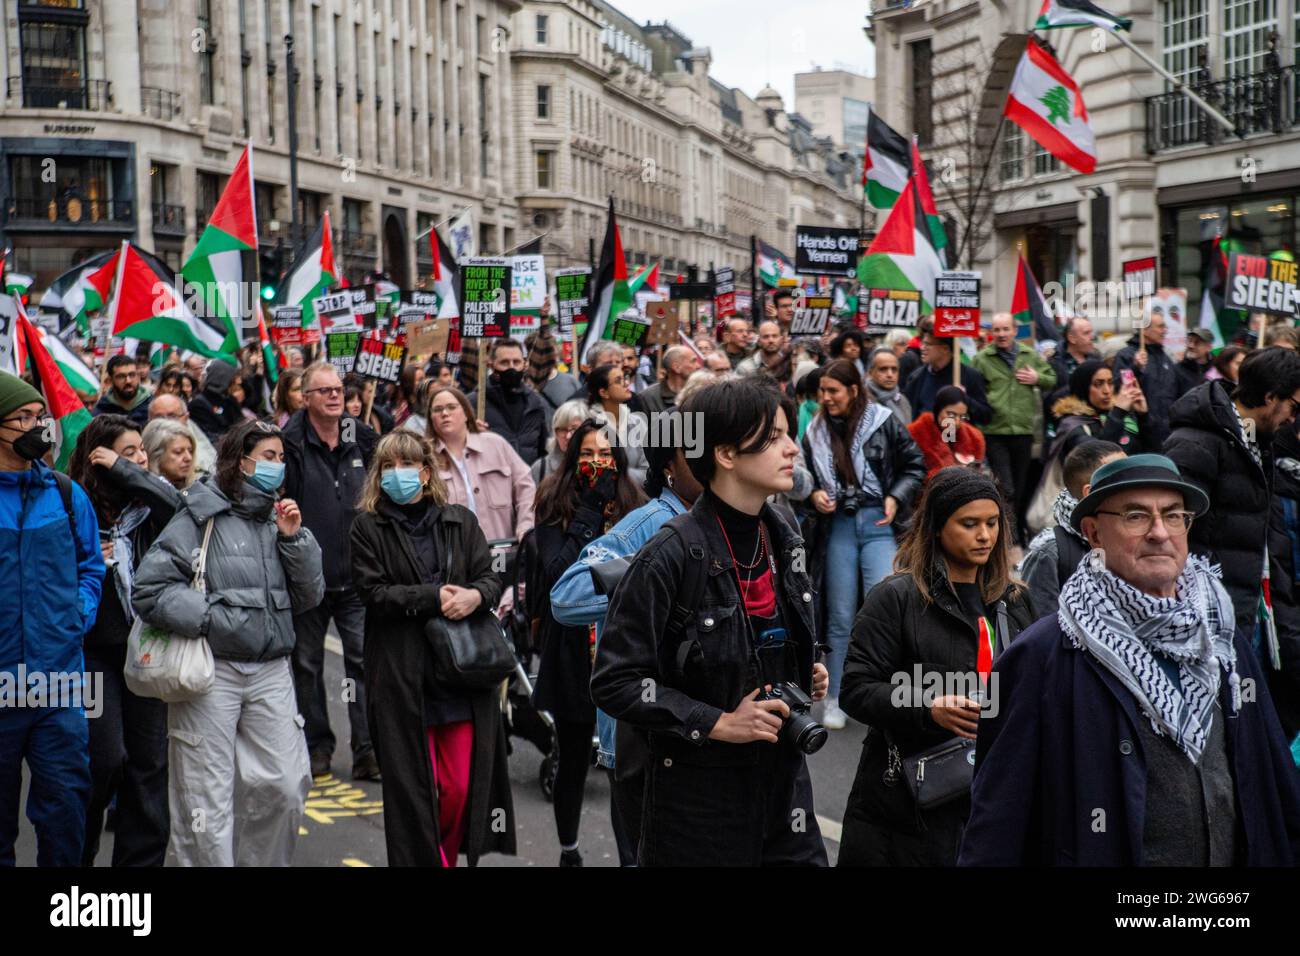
(333, 644)
(830, 829)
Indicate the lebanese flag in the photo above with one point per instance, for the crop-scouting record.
(886, 165)
(903, 256)
(938, 235)
(70, 415)
(224, 263)
(1046, 103)
(1028, 306)
(611, 294)
(147, 305)
(312, 273)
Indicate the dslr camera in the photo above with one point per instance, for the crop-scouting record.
(851, 501)
(800, 729)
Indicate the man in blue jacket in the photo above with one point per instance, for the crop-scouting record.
(1134, 728)
(574, 601)
(51, 571)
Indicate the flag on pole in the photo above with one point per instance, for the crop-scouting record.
(313, 271)
(938, 235)
(81, 290)
(611, 295)
(774, 265)
(647, 279)
(903, 256)
(1215, 285)
(464, 242)
(147, 305)
(446, 276)
(1046, 103)
(1078, 13)
(886, 165)
(1028, 306)
(69, 414)
(224, 263)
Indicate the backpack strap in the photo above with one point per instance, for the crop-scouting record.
(65, 493)
(694, 570)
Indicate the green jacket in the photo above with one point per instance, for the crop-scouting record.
(1013, 404)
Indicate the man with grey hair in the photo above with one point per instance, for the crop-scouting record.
(882, 381)
(604, 353)
(679, 362)
(172, 407)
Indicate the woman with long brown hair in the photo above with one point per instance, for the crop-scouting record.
(441, 749)
(584, 498)
(918, 665)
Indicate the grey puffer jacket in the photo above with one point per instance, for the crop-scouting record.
(256, 578)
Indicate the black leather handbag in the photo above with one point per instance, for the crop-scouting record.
(472, 653)
(940, 774)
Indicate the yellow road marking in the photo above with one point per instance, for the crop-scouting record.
(353, 861)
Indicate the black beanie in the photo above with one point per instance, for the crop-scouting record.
(955, 487)
(1081, 379)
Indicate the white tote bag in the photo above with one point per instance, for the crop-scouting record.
(168, 666)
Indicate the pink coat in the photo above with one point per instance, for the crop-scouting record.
(503, 486)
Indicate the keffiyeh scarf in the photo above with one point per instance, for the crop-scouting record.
(124, 554)
(823, 455)
(1124, 629)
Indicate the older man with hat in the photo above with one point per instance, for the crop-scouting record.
(1133, 728)
(1196, 359)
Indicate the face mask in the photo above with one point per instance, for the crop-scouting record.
(401, 484)
(511, 379)
(267, 475)
(32, 445)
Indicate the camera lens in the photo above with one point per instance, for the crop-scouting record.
(806, 733)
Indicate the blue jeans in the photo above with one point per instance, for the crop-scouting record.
(55, 743)
(857, 549)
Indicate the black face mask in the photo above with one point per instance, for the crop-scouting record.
(512, 379)
(32, 445)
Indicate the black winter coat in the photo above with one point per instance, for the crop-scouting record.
(529, 439)
(1284, 555)
(215, 414)
(1159, 381)
(1207, 446)
(1065, 744)
(564, 673)
(398, 663)
(897, 631)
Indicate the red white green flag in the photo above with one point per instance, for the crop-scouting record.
(147, 305)
(312, 273)
(1046, 103)
(903, 256)
(69, 414)
(610, 294)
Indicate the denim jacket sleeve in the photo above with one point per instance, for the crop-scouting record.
(574, 600)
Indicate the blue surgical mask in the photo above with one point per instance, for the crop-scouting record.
(401, 484)
(267, 475)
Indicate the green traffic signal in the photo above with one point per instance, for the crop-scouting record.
(268, 292)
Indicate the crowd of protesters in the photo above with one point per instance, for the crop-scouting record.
(810, 531)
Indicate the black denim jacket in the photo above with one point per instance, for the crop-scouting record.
(674, 682)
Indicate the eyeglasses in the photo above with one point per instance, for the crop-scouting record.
(1139, 523)
(27, 421)
(444, 409)
(329, 391)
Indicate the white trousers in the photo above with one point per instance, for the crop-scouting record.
(238, 773)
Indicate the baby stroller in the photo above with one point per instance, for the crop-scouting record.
(523, 720)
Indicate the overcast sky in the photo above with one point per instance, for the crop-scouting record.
(766, 41)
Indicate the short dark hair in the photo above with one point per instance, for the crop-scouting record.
(1084, 459)
(740, 413)
(505, 343)
(848, 335)
(117, 361)
(780, 294)
(1270, 371)
(660, 454)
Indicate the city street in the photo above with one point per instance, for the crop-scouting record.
(344, 825)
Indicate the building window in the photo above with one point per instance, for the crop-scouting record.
(1044, 162)
(545, 169)
(54, 66)
(543, 28)
(1012, 161)
(1246, 26)
(207, 44)
(207, 192)
(922, 92)
(543, 102)
(1185, 27)
(480, 35)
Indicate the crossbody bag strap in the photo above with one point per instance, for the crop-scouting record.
(201, 568)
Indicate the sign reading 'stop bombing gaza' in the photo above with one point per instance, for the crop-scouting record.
(825, 251)
(890, 308)
(1260, 284)
(811, 313)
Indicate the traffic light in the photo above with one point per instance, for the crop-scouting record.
(270, 263)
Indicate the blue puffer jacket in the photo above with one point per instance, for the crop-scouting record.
(49, 582)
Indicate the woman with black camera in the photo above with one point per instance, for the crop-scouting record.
(441, 748)
(584, 498)
(917, 673)
(865, 467)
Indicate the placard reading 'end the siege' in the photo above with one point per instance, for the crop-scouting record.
(485, 298)
(890, 308)
(957, 304)
(381, 361)
(811, 313)
(1260, 284)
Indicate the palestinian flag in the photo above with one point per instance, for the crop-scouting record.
(224, 263)
(610, 296)
(1029, 308)
(774, 265)
(17, 283)
(312, 273)
(147, 305)
(1078, 13)
(938, 235)
(70, 415)
(903, 256)
(446, 276)
(14, 353)
(1214, 284)
(887, 163)
(271, 368)
(80, 291)
(1046, 103)
(647, 279)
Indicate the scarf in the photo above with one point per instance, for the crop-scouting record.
(819, 440)
(1125, 630)
(1062, 508)
(884, 395)
(124, 553)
